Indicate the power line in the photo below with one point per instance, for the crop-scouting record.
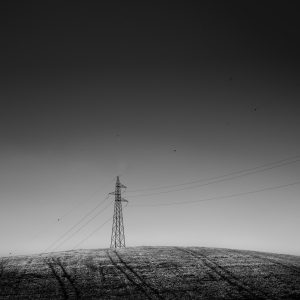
(66, 233)
(279, 163)
(221, 197)
(70, 229)
(118, 237)
(71, 210)
(93, 232)
(84, 200)
(86, 223)
(79, 203)
(216, 181)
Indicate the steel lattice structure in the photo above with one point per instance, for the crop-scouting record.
(117, 235)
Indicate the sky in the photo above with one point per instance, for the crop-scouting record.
(179, 100)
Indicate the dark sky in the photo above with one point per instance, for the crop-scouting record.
(161, 94)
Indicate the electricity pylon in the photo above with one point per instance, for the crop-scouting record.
(117, 235)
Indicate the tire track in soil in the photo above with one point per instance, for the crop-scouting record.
(22, 274)
(165, 291)
(128, 267)
(211, 274)
(3, 264)
(69, 278)
(98, 269)
(274, 261)
(263, 258)
(139, 284)
(58, 279)
(226, 275)
(186, 293)
(101, 271)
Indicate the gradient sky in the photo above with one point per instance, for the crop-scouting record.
(92, 91)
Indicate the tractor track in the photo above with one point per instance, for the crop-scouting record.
(69, 278)
(22, 275)
(53, 264)
(262, 256)
(154, 290)
(3, 264)
(134, 278)
(180, 293)
(99, 269)
(276, 262)
(245, 290)
(17, 277)
(58, 279)
(176, 273)
(129, 278)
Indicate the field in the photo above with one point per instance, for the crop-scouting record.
(151, 273)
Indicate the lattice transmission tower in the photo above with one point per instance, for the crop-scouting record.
(117, 235)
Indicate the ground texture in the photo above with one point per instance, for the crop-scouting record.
(151, 273)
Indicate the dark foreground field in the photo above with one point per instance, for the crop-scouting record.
(151, 273)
